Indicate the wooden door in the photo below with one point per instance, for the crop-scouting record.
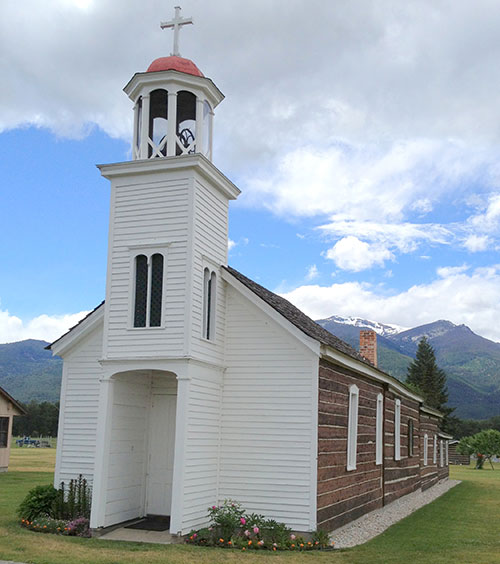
(161, 454)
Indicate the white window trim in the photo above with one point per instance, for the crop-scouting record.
(148, 251)
(426, 449)
(447, 453)
(397, 430)
(352, 427)
(379, 433)
(441, 453)
(434, 456)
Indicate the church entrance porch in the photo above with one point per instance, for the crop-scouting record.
(138, 448)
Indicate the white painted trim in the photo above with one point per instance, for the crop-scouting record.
(103, 434)
(313, 499)
(79, 332)
(60, 424)
(109, 268)
(447, 453)
(397, 429)
(166, 363)
(379, 430)
(434, 456)
(188, 305)
(352, 427)
(177, 508)
(310, 343)
(441, 453)
(426, 449)
(346, 361)
(196, 162)
(431, 411)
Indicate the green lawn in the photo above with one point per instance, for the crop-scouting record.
(463, 526)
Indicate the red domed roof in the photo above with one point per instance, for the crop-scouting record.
(174, 63)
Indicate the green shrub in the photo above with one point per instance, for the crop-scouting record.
(38, 503)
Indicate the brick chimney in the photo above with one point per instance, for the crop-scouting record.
(368, 345)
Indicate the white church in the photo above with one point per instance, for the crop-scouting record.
(191, 384)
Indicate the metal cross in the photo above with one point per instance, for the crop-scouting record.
(176, 24)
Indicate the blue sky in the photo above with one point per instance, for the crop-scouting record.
(365, 140)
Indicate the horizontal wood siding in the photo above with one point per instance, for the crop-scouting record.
(201, 446)
(401, 476)
(79, 409)
(209, 250)
(429, 473)
(128, 447)
(346, 495)
(147, 211)
(268, 454)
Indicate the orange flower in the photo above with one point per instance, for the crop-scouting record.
(274, 548)
(45, 526)
(244, 548)
(249, 543)
(301, 545)
(309, 544)
(229, 542)
(293, 546)
(221, 540)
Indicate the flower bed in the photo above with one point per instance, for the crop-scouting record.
(232, 527)
(65, 511)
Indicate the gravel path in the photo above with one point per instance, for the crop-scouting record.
(376, 522)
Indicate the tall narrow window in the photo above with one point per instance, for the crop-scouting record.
(426, 449)
(410, 437)
(4, 432)
(148, 293)
(379, 439)
(209, 294)
(352, 429)
(434, 456)
(156, 290)
(397, 430)
(441, 453)
(447, 453)
(141, 291)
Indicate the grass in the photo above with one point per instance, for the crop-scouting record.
(461, 526)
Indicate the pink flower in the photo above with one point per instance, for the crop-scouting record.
(214, 507)
(243, 521)
(293, 537)
(195, 535)
(256, 530)
(247, 533)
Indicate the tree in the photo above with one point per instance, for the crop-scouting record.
(484, 445)
(425, 376)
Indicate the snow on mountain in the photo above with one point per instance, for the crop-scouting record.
(380, 328)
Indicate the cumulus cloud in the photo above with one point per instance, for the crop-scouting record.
(352, 254)
(459, 295)
(476, 243)
(43, 327)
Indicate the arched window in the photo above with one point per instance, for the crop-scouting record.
(352, 427)
(186, 122)
(158, 123)
(141, 291)
(379, 430)
(410, 437)
(148, 293)
(397, 430)
(209, 294)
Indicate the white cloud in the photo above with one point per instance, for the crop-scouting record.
(312, 272)
(457, 295)
(352, 254)
(476, 243)
(43, 327)
(231, 244)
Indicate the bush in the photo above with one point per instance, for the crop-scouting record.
(77, 528)
(231, 527)
(38, 503)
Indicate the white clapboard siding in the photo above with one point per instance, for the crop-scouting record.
(79, 407)
(128, 447)
(268, 455)
(210, 250)
(201, 446)
(147, 211)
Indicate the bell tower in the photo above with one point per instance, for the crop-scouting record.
(168, 229)
(173, 105)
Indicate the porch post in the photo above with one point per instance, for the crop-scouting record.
(100, 483)
(177, 509)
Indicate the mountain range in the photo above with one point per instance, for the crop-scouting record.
(471, 362)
